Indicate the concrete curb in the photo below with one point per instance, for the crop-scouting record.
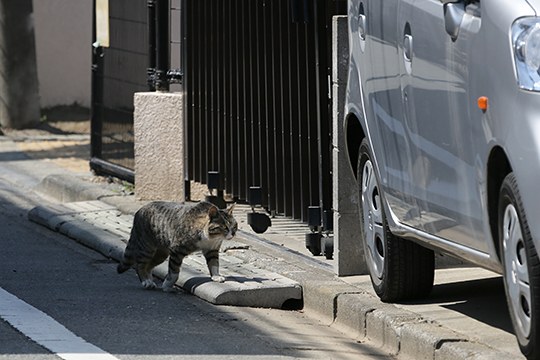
(70, 188)
(398, 331)
(350, 309)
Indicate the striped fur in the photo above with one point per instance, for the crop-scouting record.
(168, 229)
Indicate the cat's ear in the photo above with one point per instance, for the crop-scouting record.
(230, 209)
(213, 212)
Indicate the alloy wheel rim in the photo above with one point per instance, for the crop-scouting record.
(516, 272)
(373, 222)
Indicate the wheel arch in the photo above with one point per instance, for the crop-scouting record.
(498, 167)
(354, 134)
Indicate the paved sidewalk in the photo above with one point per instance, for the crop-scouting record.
(464, 318)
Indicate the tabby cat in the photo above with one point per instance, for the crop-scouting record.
(162, 229)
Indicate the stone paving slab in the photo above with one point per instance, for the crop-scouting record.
(105, 229)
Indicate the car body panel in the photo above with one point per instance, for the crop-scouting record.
(431, 143)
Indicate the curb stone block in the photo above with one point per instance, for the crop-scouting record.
(383, 326)
(420, 340)
(321, 298)
(451, 350)
(351, 313)
(68, 188)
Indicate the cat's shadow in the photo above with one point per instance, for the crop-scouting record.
(244, 279)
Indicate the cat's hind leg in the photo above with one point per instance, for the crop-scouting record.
(146, 262)
(212, 260)
(144, 271)
(175, 262)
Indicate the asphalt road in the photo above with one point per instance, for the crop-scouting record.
(78, 289)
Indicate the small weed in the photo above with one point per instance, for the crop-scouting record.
(128, 187)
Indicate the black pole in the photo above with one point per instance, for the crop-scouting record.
(162, 44)
(96, 110)
(151, 70)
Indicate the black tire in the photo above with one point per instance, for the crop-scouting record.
(521, 268)
(399, 269)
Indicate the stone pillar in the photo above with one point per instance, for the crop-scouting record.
(348, 250)
(159, 146)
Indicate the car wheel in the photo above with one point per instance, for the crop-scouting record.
(521, 268)
(399, 269)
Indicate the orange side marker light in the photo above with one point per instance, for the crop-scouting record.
(483, 103)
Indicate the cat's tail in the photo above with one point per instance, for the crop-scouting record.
(128, 259)
(122, 267)
(126, 263)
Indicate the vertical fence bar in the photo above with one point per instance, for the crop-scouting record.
(295, 116)
(286, 114)
(277, 47)
(162, 41)
(304, 67)
(227, 49)
(202, 140)
(151, 25)
(268, 104)
(255, 96)
(203, 109)
(313, 124)
(322, 52)
(188, 52)
(212, 89)
(234, 92)
(220, 93)
(249, 98)
(242, 99)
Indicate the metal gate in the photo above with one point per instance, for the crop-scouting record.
(118, 71)
(258, 99)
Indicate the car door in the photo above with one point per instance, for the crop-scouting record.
(440, 123)
(380, 69)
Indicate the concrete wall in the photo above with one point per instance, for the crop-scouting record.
(348, 249)
(63, 31)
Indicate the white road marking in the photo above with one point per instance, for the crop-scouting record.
(46, 331)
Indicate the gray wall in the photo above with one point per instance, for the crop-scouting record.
(63, 43)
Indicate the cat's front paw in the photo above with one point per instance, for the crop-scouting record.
(218, 278)
(148, 284)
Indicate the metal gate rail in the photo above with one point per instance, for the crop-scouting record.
(257, 99)
(118, 71)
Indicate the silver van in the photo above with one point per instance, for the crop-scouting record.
(443, 133)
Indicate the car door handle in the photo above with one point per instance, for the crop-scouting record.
(453, 16)
(362, 22)
(362, 26)
(408, 47)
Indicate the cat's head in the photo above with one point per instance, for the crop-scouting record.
(222, 222)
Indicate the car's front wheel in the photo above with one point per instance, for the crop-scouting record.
(521, 268)
(399, 269)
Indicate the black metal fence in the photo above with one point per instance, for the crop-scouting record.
(118, 71)
(258, 104)
(257, 86)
